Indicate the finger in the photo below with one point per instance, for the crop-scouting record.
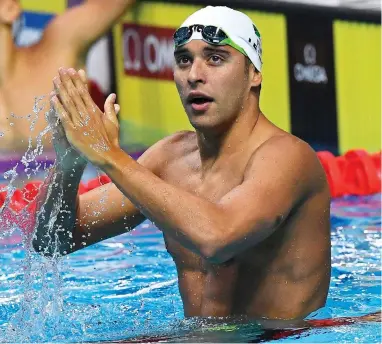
(62, 114)
(51, 115)
(83, 77)
(117, 108)
(55, 124)
(82, 89)
(72, 92)
(63, 96)
(110, 110)
(53, 118)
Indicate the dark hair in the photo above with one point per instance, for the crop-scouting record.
(248, 65)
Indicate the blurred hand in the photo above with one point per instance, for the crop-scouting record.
(66, 154)
(84, 126)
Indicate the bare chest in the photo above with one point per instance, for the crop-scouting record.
(24, 95)
(22, 113)
(213, 187)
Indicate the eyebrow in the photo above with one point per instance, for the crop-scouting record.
(209, 49)
(181, 51)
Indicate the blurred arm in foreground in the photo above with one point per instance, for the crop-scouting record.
(26, 72)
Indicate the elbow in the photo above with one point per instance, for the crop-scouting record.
(219, 242)
(227, 239)
(215, 254)
(217, 249)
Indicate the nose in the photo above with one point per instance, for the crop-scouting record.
(197, 73)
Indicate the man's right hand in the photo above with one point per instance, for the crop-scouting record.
(67, 156)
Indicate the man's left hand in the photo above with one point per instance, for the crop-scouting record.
(90, 131)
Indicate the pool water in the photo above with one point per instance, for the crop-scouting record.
(126, 287)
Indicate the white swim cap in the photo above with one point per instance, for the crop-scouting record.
(236, 25)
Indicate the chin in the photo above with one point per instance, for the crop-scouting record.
(206, 124)
(199, 121)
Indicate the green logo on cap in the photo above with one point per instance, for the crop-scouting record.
(256, 31)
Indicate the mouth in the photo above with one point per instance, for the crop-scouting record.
(199, 102)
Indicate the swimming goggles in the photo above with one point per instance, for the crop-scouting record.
(210, 34)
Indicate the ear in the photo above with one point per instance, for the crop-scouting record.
(9, 11)
(256, 77)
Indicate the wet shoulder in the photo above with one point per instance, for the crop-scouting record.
(292, 155)
(178, 145)
(169, 149)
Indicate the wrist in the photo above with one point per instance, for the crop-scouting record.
(71, 164)
(114, 159)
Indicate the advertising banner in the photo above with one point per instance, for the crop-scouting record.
(312, 81)
(358, 83)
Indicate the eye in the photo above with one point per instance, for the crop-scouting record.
(183, 60)
(216, 59)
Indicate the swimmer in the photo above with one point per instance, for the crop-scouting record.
(244, 206)
(27, 72)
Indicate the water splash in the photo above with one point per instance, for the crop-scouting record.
(42, 300)
(41, 312)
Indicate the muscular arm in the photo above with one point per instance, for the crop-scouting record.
(282, 172)
(80, 26)
(280, 175)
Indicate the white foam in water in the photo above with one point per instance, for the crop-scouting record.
(42, 300)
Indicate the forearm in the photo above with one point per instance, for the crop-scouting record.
(56, 211)
(82, 25)
(193, 221)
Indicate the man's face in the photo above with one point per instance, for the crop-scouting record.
(212, 82)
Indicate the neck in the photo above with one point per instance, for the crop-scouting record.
(216, 146)
(8, 52)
